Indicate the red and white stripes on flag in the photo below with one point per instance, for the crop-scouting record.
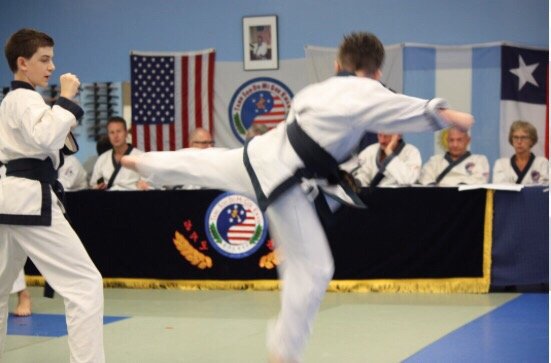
(244, 231)
(275, 116)
(172, 94)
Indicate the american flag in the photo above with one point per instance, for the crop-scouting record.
(172, 94)
(241, 224)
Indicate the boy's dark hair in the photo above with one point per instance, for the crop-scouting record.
(361, 51)
(114, 119)
(24, 43)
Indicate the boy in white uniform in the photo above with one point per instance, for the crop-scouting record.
(327, 118)
(32, 136)
(457, 166)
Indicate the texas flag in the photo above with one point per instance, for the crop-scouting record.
(524, 94)
(497, 82)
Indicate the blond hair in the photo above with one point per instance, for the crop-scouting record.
(525, 126)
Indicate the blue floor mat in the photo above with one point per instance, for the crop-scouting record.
(45, 325)
(517, 331)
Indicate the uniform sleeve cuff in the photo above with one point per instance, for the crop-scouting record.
(71, 107)
(432, 111)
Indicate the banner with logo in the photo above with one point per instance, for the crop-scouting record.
(211, 239)
(242, 98)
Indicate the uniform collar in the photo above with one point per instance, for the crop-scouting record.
(345, 74)
(21, 84)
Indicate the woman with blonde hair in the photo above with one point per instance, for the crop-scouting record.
(523, 167)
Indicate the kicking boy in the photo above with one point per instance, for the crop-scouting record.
(291, 169)
(32, 136)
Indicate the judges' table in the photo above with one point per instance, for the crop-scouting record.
(520, 253)
(409, 239)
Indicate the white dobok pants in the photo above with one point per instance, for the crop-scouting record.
(307, 263)
(19, 284)
(59, 255)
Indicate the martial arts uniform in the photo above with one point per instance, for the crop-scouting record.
(260, 50)
(105, 167)
(474, 169)
(397, 169)
(335, 113)
(19, 284)
(32, 222)
(72, 175)
(536, 172)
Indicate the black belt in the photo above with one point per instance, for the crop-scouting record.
(35, 169)
(44, 172)
(318, 163)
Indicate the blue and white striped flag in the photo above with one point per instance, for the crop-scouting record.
(473, 79)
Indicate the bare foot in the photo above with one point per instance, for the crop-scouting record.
(24, 304)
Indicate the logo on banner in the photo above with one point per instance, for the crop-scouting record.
(263, 100)
(235, 226)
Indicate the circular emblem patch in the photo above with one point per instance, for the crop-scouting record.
(261, 100)
(235, 225)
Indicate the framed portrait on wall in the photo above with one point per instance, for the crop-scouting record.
(260, 42)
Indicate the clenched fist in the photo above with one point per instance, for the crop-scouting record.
(458, 119)
(69, 85)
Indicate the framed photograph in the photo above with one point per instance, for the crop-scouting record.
(260, 42)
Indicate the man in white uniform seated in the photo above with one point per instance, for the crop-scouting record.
(108, 174)
(199, 138)
(389, 162)
(458, 165)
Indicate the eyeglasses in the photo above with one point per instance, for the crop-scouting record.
(520, 138)
(203, 142)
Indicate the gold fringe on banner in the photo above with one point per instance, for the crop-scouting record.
(131, 283)
(441, 285)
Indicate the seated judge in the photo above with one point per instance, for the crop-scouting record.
(389, 162)
(199, 138)
(457, 166)
(102, 145)
(523, 167)
(108, 173)
(72, 174)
